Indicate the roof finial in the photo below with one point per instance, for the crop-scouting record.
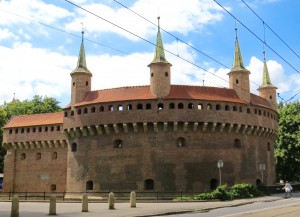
(82, 31)
(238, 60)
(158, 18)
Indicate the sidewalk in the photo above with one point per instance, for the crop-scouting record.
(122, 209)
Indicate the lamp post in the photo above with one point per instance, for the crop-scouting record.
(220, 166)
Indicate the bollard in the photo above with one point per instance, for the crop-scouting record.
(15, 207)
(111, 200)
(132, 199)
(52, 207)
(85, 204)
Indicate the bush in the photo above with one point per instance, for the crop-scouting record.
(221, 193)
(244, 191)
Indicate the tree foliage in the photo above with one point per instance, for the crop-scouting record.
(37, 105)
(287, 148)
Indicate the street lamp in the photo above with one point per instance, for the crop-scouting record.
(220, 166)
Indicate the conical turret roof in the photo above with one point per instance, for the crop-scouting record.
(238, 63)
(266, 77)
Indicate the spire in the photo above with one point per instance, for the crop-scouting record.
(266, 77)
(159, 55)
(81, 63)
(238, 60)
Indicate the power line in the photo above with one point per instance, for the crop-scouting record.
(256, 36)
(271, 29)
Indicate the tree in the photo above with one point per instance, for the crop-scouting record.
(287, 148)
(37, 105)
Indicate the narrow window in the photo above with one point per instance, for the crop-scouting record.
(93, 110)
(200, 106)
(208, 107)
(166, 74)
(89, 185)
(160, 106)
(248, 110)
(38, 156)
(28, 130)
(237, 143)
(23, 156)
(129, 107)
(85, 111)
(152, 75)
(33, 129)
(79, 111)
(149, 184)
(16, 131)
(180, 106)
(22, 130)
(259, 112)
(268, 147)
(86, 83)
(118, 143)
(191, 106)
(237, 81)
(181, 142)
(110, 108)
(53, 187)
(171, 106)
(265, 113)
(73, 83)
(218, 107)
(271, 97)
(72, 113)
(52, 128)
(46, 129)
(120, 108)
(234, 108)
(74, 147)
(10, 131)
(139, 106)
(227, 108)
(54, 155)
(40, 129)
(66, 114)
(241, 109)
(101, 109)
(148, 106)
(255, 111)
(58, 128)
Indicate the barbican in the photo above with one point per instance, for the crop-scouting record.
(158, 137)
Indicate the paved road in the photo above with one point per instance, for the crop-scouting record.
(122, 209)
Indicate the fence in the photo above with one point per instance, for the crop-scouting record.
(97, 196)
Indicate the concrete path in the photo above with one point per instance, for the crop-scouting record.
(122, 209)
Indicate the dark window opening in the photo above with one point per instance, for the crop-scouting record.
(28, 130)
(38, 156)
(89, 185)
(110, 108)
(58, 128)
(72, 113)
(66, 114)
(46, 129)
(237, 81)
(129, 107)
(180, 106)
(166, 74)
(85, 111)
(234, 108)
(149, 184)
(54, 155)
(160, 106)
(269, 147)
(248, 110)
(23, 156)
(259, 112)
(190, 106)
(258, 182)
(86, 83)
(53, 187)
(271, 97)
(22, 130)
(227, 108)
(74, 147)
(237, 143)
(171, 106)
(118, 143)
(214, 183)
(101, 109)
(79, 111)
(208, 107)
(152, 75)
(73, 83)
(181, 142)
(255, 111)
(264, 113)
(33, 129)
(218, 107)
(10, 131)
(148, 106)
(40, 129)
(241, 109)
(93, 109)
(52, 128)
(139, 106)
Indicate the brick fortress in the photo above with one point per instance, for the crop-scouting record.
(160, 137)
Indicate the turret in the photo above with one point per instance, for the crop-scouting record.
(267, 90)
(239, 75)
(81, 78)
(160, 70)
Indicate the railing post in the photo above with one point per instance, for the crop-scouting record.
(15, 207)
(132, 199)
(156, 195)
(44, 195)
(85, 203)
(111, 200)
(52, 207)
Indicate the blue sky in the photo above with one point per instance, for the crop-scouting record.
(40, 40)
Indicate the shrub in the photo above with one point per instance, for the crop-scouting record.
(221, 193)
(245, 191)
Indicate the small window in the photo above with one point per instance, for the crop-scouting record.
(72, 113)
(129, 107)
(120, 108)
(33, 129)
(190, 106)
(237, 81)
(28, 130)
(160, 106)
(181, 142)
(139, 106)
(16, 131)
(200, 106)
(23, 156)
(166, 74)
(237, 143)
(148, 106)
(79, 111)
(171, 106)
(101, 109)
(40, 129)
(255, 111)
(58, 128)
(85, 111)
(180, 106)
(264, 113)
(10, 131)
(227, 108)
(241, 109)
(152, 75)
(73, 83)
(234, 108)
(53, 187)
(118, 143)
(268, 114)
(89, 185)
(38, 156)
(149, 184)
(269, 147)
(46, 129)
(93, 110)
(86, 83)
(22, 130)
(208, 107)
(259, 112)
(54, 155)
(52, 128)
(248, 110)
(271, 97)
(218, 107)
(110, 108)
(74, 147)
(66, 114)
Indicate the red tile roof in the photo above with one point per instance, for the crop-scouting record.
(257, 100)
(177, 92)
(36, 120)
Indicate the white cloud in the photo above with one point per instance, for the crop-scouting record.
(6, 34)
(182, 17)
